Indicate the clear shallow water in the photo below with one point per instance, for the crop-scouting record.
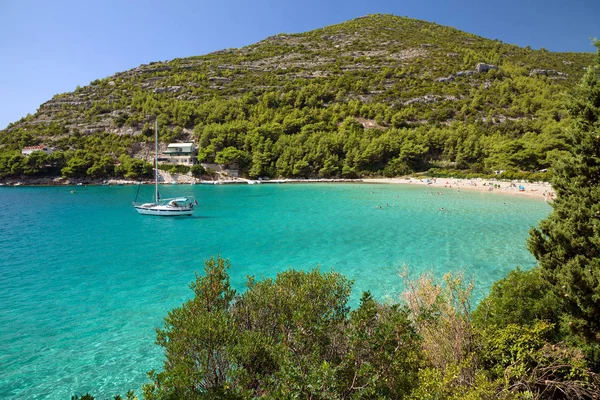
(85, 280)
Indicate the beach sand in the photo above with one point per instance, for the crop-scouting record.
(540, 190)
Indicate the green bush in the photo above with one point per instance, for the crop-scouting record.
(175, 168)
(528, 362)
(522, 297)
(288, 337)
(197, 170)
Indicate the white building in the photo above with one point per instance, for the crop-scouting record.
(179, 153)
(28, 150)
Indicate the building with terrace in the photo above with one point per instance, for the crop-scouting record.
(179, 154)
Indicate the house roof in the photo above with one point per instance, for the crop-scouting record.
(180, 144)
(40, 147)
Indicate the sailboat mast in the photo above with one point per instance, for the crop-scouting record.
(156, 161)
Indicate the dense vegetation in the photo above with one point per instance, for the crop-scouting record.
(377, 95)
(295, 337)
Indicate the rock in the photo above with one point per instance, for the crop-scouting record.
(169, 89)
(480, 67)
(546, 72)
(483, 67)
(219, 79)
(428, 99)
(276, 38)
(407, 54)
(338, 37)
(465, 73)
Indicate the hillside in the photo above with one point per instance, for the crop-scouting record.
(377, 95)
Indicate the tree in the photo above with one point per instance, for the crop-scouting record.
(78, 164)
(35, 163)
(288, 337)
(133, 168)
(101, 168)
(383, 354)
(15, 165)
(230, 155)
(522, 297)
(291, 333)
(195, 338)
(567, 243)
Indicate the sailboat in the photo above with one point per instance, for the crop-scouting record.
(183, 205)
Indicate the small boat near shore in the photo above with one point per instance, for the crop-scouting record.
(172, 207)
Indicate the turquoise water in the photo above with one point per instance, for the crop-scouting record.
(85, 280)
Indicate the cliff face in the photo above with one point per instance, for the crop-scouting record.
(388, 71)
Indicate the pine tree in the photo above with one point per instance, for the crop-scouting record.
(567, 243)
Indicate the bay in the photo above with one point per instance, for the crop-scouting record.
(85, 280)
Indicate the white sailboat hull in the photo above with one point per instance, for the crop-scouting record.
(166, 211)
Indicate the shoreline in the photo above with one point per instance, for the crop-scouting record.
(538, 190)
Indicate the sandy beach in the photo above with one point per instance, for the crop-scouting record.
(540, 190)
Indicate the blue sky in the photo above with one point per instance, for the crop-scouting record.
(49, 47)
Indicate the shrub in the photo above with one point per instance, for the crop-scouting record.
(441, 314)
(522, 297)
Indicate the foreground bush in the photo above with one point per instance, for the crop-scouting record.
(295, 337)
(289, 337)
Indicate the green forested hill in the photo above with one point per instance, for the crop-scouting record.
(377, 95)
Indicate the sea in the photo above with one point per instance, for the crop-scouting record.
(85, 281)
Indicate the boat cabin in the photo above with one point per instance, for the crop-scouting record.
(181, 202)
